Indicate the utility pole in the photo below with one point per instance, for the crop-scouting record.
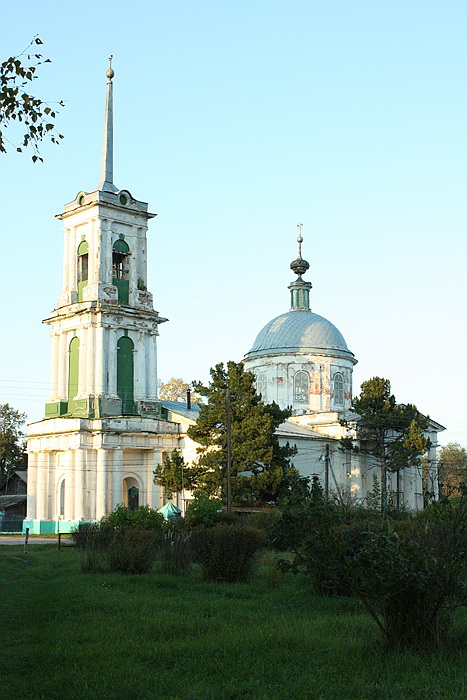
(326, 471)
(228, 437)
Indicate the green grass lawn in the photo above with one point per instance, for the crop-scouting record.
(65, 634)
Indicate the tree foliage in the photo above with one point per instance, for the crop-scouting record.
(261, 469)
(175, 475)
(12, 455)
(452, 468)
(175, 390)
(18, 105)
(391, 433)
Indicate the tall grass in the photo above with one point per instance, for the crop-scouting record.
(67, 634)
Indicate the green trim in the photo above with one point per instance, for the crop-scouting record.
(55, 409)
(50, 527)
(125, 374)
(83, 248)
(73, 369)
(81, 408)
(121, 246)
(81, 287)
(151, 409)
(123, 289)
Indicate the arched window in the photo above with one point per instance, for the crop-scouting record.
(73, 369)
(261, 386)
(125, 374)
(338, 383)
(83, 273)
(301, 387)
(120, 269)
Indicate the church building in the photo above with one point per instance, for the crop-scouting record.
(105, 431)
(301, 361)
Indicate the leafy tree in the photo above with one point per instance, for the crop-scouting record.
(12, 455)
(452, 468)
(260, 467)
(17, 105)
(175, 390)
(391, 433)
(175, 475)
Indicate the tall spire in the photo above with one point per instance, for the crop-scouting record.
(107, 160)
(299, 289)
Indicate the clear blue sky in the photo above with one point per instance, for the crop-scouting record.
(236, 121)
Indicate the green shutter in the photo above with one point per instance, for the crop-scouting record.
(73, 369)
(125, 374)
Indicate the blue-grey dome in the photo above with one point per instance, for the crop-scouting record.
(299, 331)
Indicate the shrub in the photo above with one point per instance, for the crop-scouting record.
(226, 551)
(203, 511)
(142, 518)
(133, 551)
(85, 534)
(411, 580)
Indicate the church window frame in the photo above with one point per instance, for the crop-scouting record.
(301, 390)
(338, 388)
(262, 386)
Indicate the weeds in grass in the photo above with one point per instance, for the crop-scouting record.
(174, 553)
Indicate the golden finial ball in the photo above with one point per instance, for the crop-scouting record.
(110, 73)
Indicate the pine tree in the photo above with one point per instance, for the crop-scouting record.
(391, 433)
(175, 476)
(261, 469)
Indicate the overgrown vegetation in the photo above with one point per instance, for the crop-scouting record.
(107, 636)
(408, 573)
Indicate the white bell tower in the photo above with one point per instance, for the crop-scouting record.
(104, 429)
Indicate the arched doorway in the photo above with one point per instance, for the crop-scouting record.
(131, 493)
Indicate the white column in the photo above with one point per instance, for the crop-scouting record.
(32, 486)
(148, 458)
(92, 240)
(99, 360)
(156, 500)
(54, 393)
(139, 367)
(79, 483)
(66, 261)
(104, 271)
(133, 263)
(101, 483)
(91, 360)
(111, 351)
(69, 469)
(151, 368)
(62, 371)
(117, 486)
(82, 373)
(72, 259)
(42, 485)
